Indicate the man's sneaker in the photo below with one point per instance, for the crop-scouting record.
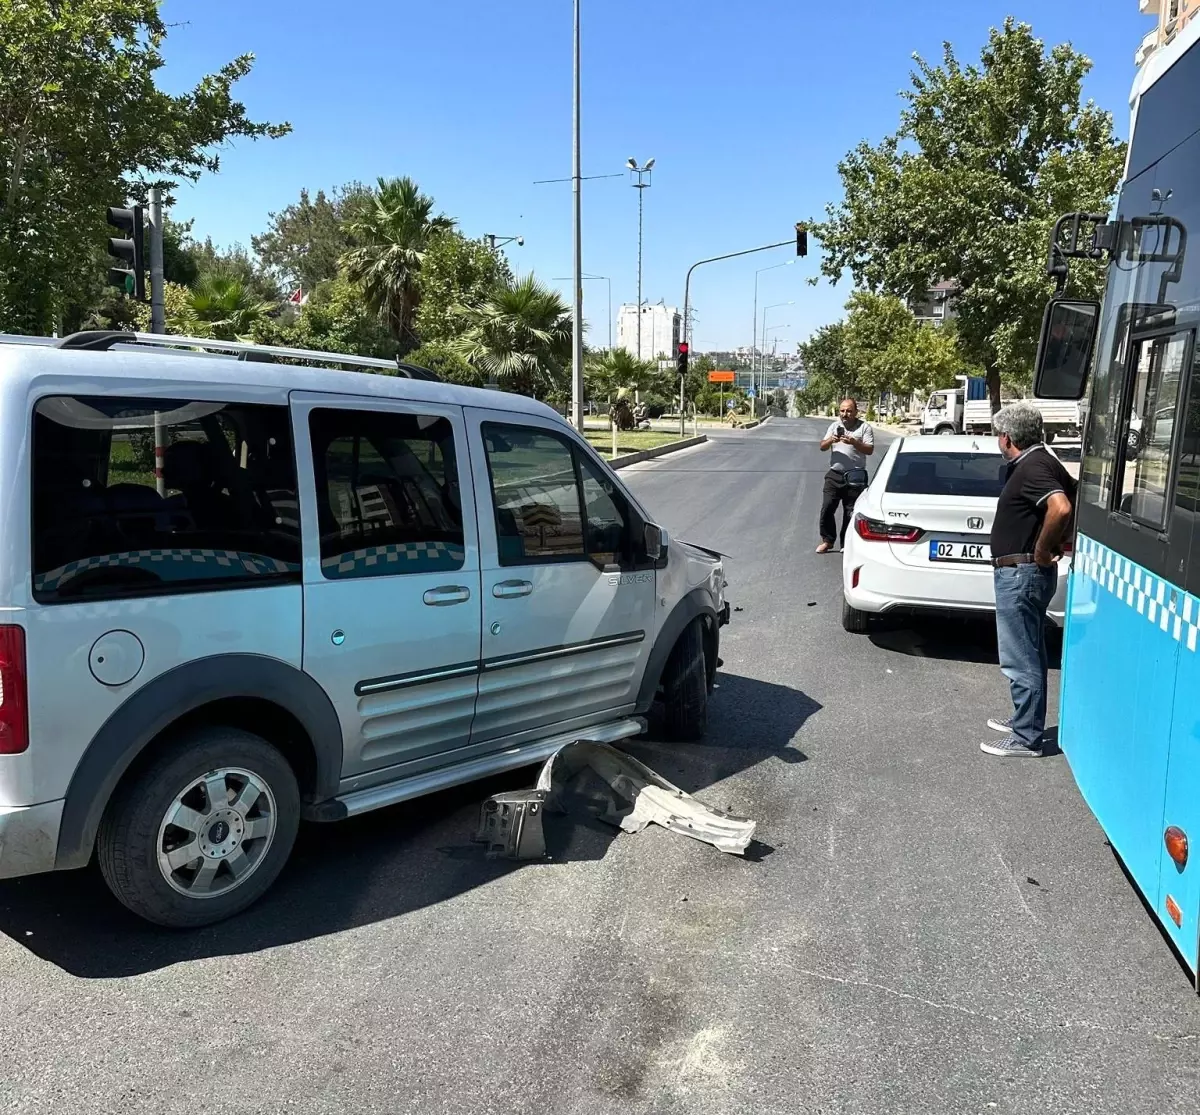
(1010, 747)
(1004, 725)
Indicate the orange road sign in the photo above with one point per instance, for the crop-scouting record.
(721, 377)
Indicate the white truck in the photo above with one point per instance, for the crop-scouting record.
(967, 409)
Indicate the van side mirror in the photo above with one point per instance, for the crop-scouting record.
(656, 541)
(1064, 353)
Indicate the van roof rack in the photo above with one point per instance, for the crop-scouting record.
(105, 339)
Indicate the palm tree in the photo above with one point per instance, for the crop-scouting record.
(391, 234)
(616, 370)
(520, 336)
(221, 307)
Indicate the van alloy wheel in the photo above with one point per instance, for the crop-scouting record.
(216, 832)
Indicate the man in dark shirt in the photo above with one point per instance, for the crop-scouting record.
(1032, 519)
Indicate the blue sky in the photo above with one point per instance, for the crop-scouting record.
(746, 108)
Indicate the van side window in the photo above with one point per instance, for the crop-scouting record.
(388, 499)
(535, 491)
(609, 537)
(136, 497)
(552, 501)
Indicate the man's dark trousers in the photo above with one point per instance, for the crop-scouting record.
(837, 492)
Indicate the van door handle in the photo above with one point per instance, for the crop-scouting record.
(507, 590)
(447, 594)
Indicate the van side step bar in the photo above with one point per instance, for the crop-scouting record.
(427, 782)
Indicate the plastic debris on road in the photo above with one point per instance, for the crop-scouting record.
(611, 786)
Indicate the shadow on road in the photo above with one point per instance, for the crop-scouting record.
(951, 638)
(386, 864)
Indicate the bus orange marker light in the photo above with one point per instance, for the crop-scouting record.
(1174, 910)
(1177, 845)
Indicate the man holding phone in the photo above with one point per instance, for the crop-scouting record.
(849, 441)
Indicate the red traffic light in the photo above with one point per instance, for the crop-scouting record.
(683, 347)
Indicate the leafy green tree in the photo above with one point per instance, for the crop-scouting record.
(610, 372)
(334, 319)
(393, 234)
(222, 307)
(826, 361)
(83, 126)
(441, 358)
(455, 273)
(986, 157)
(520, 337)
(233, 263)
(304, 243)
(891, 351)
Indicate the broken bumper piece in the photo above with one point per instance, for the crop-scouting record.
(634, 796)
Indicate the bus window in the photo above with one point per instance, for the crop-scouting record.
(1156, 365)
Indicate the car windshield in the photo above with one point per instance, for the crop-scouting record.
(976, 475)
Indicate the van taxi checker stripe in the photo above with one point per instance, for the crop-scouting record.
(1169, 608)
(409, 557)
(227, 561)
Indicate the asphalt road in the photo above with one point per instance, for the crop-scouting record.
(924, 929)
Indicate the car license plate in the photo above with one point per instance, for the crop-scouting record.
(976, 553)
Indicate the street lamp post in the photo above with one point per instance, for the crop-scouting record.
(577, 238)
(754, 321)
(761, 362)
(644, 179)
(492, 239)
(563, 279)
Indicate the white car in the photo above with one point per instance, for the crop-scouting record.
(919, 538)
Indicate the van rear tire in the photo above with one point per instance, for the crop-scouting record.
(685, 687)
(202, 831)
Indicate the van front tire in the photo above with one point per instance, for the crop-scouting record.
(202, 831)
(685, 687)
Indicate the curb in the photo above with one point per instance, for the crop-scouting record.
(755, 424)
(658, 451)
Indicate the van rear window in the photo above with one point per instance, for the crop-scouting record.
(135, 497)
(973, 475)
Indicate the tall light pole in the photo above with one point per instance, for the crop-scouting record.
(644, 180)
(761, 363)
(605, 278)
(754, 316)
(577, 220)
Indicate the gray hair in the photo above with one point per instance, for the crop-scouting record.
(1022, 422)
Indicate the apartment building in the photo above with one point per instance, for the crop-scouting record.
(661, 330)
(1172, 17)
(937, 307)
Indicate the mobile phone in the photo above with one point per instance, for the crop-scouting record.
(840, 431)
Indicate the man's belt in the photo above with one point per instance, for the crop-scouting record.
(1009, 560)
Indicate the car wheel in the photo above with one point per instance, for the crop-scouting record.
(854, 620)
(944, 431)
(202, 831)
(685, 687)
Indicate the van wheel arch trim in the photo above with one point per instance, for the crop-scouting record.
(160, 703)
(697, 604)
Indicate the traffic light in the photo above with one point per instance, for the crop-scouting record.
(681, 360)
(129, 250)
(801, 239)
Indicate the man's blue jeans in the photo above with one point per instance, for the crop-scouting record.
(1023, 593)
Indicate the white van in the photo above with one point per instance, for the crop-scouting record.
(237, 594)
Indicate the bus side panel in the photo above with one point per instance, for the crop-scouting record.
(1183, 795)
(1116, 707)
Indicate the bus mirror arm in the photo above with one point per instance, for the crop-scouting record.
(1088, 236)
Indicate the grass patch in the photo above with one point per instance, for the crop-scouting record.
(632, 441)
